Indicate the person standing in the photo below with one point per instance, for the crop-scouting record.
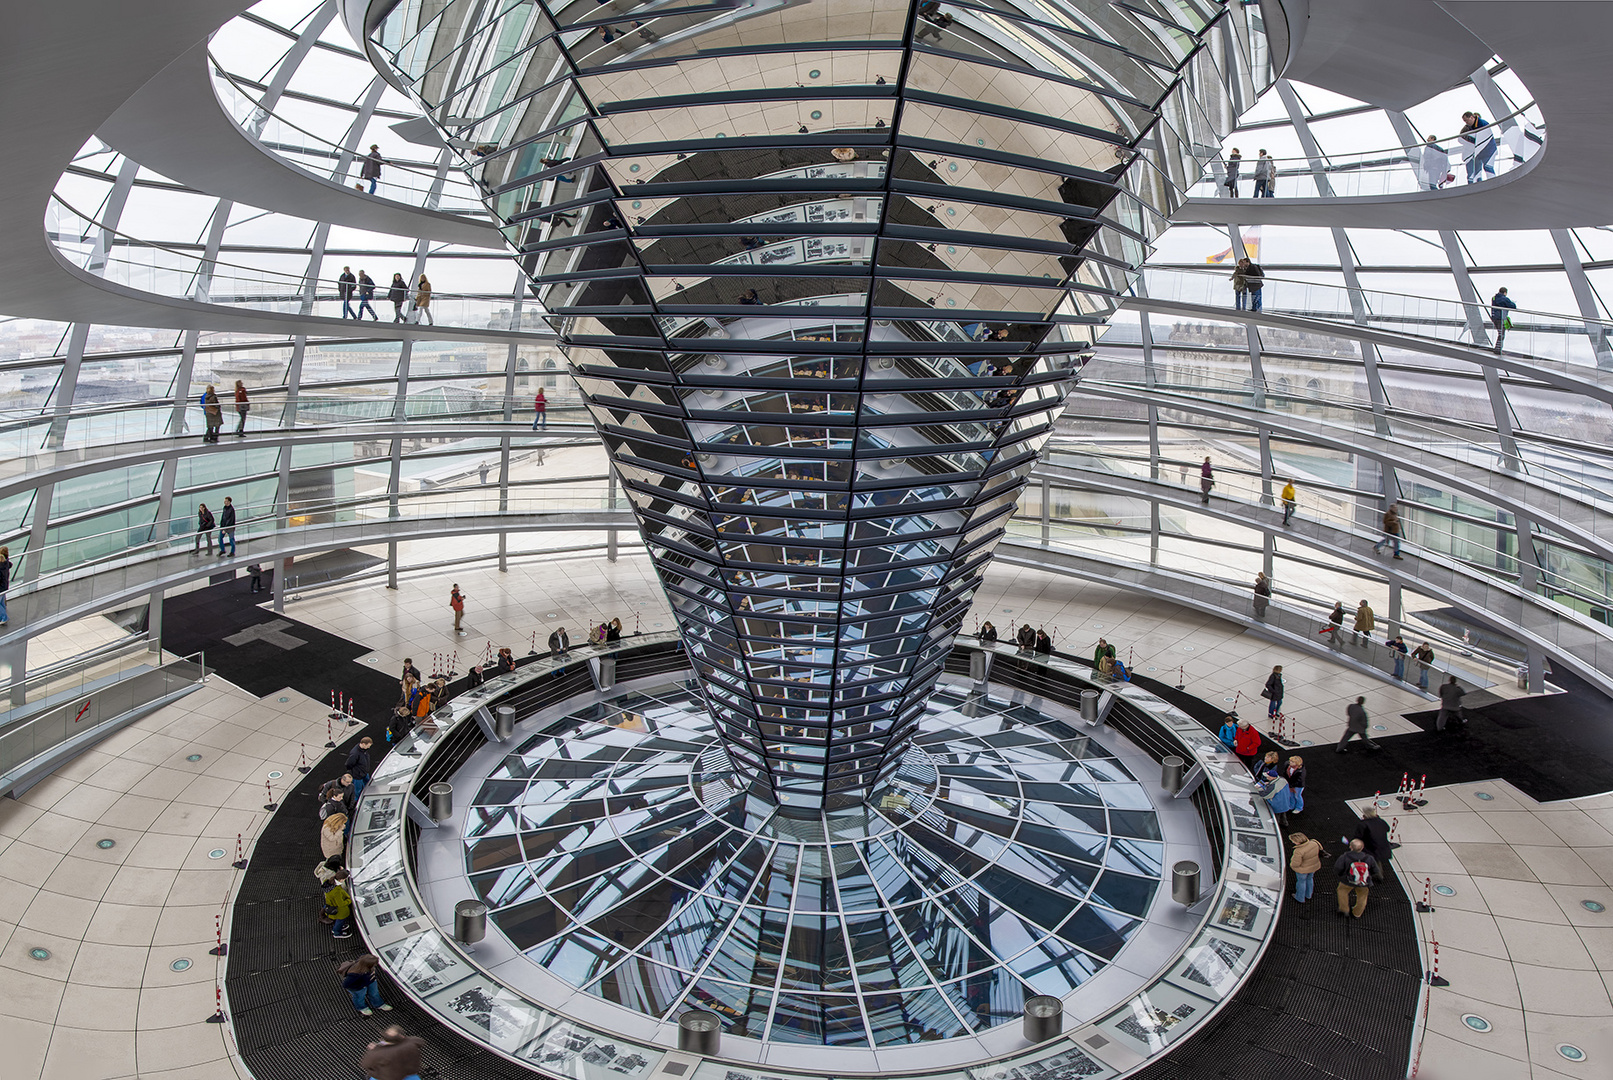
(1044, 646)
(242, 407)
(1305, 862)
(398, 293)
(358, 764)
(1500, 304)
(1373, 832)
(1256, 277)
(371, 169)
(226, 528)
(1265, 176)
(1026, 638)
(422, 302)
(1228, 735)
(1397, 651)
(1290, 503)
(1391, 532)
(1355, 725)
(1294, 773)
(345, 283)
(1103, 657)
(1480, 151)
(358, 979)
(204, 528)
(1424, 655)
(1262, 593)
(333, 831)
(409, 670)
(212, 414)
(395, 1057)
(1206, 480)
(1356, 870)
(456, 601)
(337, 901)
(559, 642)
(540, 411)
(1365, 622)
(1240, 285)
(1436, 165)
(5, 582)
(366, 294)
(1450, 703)
(256, 570)
(1234, 163)
(1246, 740)
(1273, 692)
(988, 633)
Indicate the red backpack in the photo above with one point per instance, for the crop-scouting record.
(1359, 872)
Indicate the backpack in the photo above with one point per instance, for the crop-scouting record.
(1358, 873)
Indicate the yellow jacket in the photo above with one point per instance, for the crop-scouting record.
(1288, 493)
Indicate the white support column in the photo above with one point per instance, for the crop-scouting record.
(1047, 511)
(154, 621)
(610, 503)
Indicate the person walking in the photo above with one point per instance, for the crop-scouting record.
(398, 293)
(343, 784)
(1479, 150)
(1500, 304)
(358, 764)
(422, 302)
(1290, 503)
(1391, 532)
(1335, 624)
(333, 831)
(1365, 622)
(1424, 655)
(226, 528)
(395, 1057)
(242, 407)
(1262, 593)
(1273, 692)
(212, 414)
(1450, 704)
(345, 284)
(358, 979)
(1355, 726)
(5, 582)
(1373, 833)
(1435, 165)
(1305, 862)
(1265, 176)
(338, 904)
(371, 169)
(456, 601)
(1397, 652)
(1206, 480)
(1356, 870)
(204, 528)
(1234, 163)
(366, 296)
(1240, 285)
(540, 411)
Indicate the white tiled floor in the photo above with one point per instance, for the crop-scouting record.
(107, 1005)
(1519, 947)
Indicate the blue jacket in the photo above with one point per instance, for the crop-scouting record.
(1499, 303)
(1228, 734)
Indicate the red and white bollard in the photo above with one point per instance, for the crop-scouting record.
(1434, 977)
(1394, 830)
(302, 758)
(330, 733)
(218, 1003)
(271, 804)
(1426, 904)
(240, 857)
(1181, 677)
(352, 717)
(453, 665)
(335, 713)
(218, 929)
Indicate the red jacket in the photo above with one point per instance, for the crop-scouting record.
(1247, 741)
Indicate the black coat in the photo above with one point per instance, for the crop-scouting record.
(988, 636)
(1374, 833)
(1274, 686)
(226, 516)
(1342, 865)
(205, 520)
(398, 293)
(358, 762)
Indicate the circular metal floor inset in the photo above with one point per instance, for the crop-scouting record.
(1571, 1052)
(1476, 1022)
(1594, 906)
(1444, 890)
(620, 852)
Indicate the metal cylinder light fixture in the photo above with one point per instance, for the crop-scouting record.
(470, 921)
(700, 1032)
(1171, 769)
(1044, 1018)
(442, 802)
(1185, 883)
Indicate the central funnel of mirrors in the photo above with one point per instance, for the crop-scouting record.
(823, 272)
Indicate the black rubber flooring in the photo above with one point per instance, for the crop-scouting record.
(1332, 998)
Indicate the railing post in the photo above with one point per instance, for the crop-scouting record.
(1047, 511)
(154, 622)
(610, 504)
(16, 658)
